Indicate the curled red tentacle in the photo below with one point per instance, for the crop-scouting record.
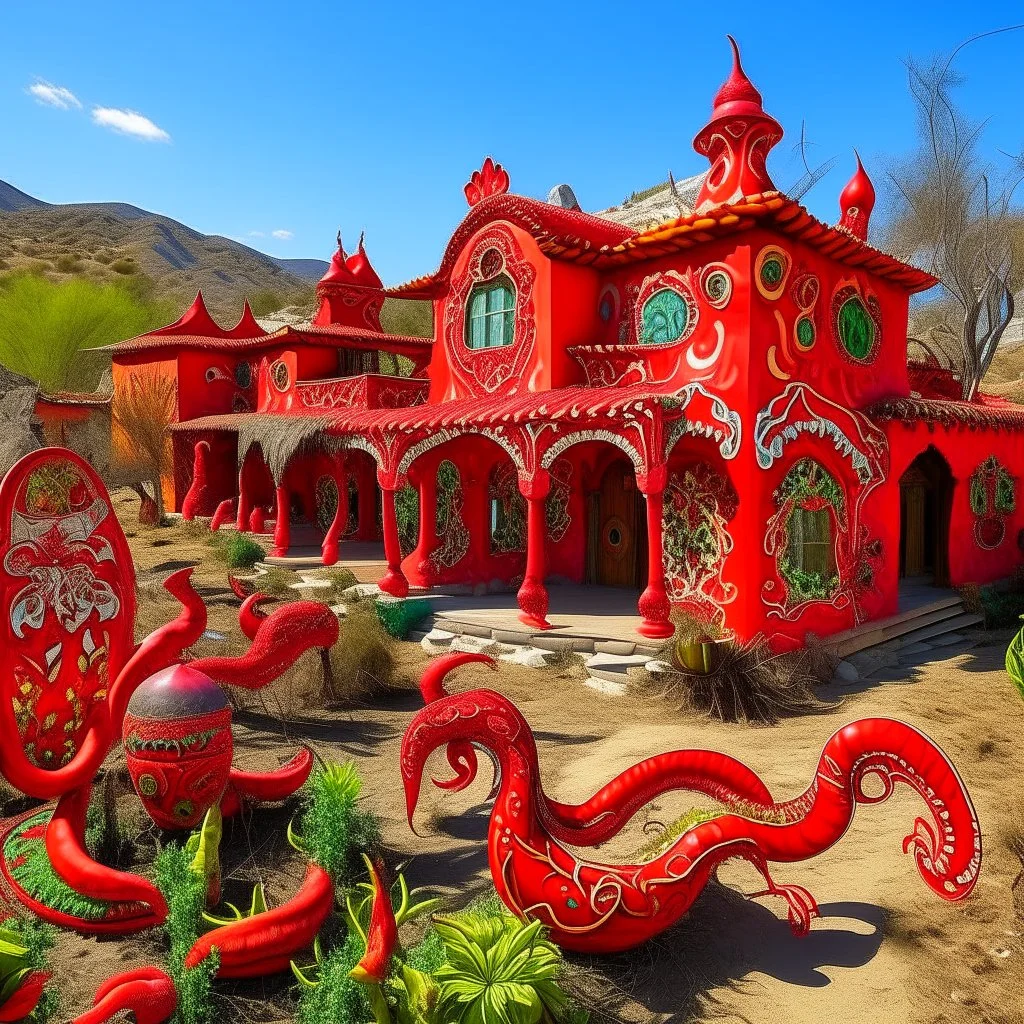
(250, 615)
(148, 993)
(163, 647)
(281, 638)
(461, 755)
(598, 907)
(65, 847)
(274, 785)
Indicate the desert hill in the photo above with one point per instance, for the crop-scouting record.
(107, 240)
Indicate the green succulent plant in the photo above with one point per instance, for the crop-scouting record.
(1015, 660)
(500, 970)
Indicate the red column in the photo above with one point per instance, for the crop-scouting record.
(394, 581)
(244, 501)
(427, 539)
(533, 595)
(282, 528)
(329, 547)
(654, 604)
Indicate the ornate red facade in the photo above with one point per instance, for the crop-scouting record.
(716, 411)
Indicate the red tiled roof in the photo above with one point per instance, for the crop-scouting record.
(571, 403)
(329, 336)
(554, 226)
(770, 210)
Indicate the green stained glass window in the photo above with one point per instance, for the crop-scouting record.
(490, 314)
(856, 328)
(665, 318)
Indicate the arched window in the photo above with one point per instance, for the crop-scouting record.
(490, 313)
(812, 502)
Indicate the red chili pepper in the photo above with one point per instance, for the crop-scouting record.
(268, 942)
(382, 934)
(147, 992)
(65, 846)
(25, 997)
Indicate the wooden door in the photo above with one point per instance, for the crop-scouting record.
(913, 502)
(618, 544)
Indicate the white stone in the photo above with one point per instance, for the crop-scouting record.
(606, 686)
(340, 610)
(529, 657)
(474, 645)
(310, 584)
(847, 672)
(439, 636)
(358, 590)
(657, 668)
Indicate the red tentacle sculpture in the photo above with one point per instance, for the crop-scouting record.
(604, 908)
(606, 813)
(280, 639)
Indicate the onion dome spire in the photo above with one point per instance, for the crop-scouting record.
(736, 141)
(856, 202)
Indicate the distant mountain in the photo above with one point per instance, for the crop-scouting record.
(107, 240)
(308, 270)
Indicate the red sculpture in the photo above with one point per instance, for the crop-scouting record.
(603, 908)
(67, 588)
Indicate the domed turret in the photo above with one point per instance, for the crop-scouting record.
(736, 141)
(856, 202)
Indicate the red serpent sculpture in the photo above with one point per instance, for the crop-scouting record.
(604, 908)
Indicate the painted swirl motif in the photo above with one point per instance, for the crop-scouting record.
(602, 908)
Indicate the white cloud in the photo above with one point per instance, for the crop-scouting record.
(54, 95)
(283, 234)
(129, 122)
(256, 234)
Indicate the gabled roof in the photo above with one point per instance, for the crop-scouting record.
(554, 227)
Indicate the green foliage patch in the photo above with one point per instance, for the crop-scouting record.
(243, 552)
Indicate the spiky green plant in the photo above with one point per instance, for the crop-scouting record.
(333, 829)
(1015, 660)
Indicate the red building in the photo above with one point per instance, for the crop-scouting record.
(718, 410)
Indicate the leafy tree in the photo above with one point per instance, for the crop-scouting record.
(43, 325)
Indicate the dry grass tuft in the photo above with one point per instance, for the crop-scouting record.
(747, 684)
(362, 662)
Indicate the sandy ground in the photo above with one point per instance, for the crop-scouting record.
(885, 949)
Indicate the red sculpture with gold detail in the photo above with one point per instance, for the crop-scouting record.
(70, 670)
(856, 202)
(603, 908)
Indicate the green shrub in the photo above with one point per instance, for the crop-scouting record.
(334, 830)
(336, 998)
(68, 263)
(1015, 660)
(399, 615)
(124, 266)
(108, 840)
(277, 582)
(242, 552)
(185, 892)
(1002, 608)
(38, 939)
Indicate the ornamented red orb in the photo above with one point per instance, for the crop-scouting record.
(177, 741)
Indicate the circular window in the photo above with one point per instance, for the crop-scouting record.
(666, 315)
(772, 269)
(243, 375)
(615, 536)
(147, 785)
(490, 264)
(805, 332)
(184, 809)
(771, 272)
(718, 288)
(856, 328)
(280, 374)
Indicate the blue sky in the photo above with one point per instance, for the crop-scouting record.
(303, 117)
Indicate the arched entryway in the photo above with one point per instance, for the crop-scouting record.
(616, 528)
(926, 502)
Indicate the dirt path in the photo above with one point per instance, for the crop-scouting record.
(885, 950)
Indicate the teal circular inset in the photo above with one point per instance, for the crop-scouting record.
(665, 318)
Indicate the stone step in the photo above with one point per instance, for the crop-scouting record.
(614, 668)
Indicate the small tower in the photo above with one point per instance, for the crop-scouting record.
(856, 202)
(736, 141)
(350, 293)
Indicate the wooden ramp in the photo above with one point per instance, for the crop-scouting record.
(924, 618)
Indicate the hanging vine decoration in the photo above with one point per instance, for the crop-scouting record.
(352, 518)
(807, 486)
(557, 516)
(993, 499)
(508, 530)
(699, 503)
(451, 527)
(407, 512)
